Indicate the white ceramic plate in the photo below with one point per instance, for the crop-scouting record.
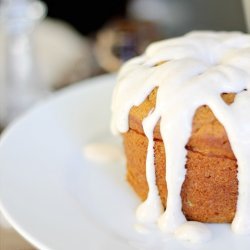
(60, 201)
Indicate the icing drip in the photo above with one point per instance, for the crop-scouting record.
(198, 68)
(151, 209)
(193, 231)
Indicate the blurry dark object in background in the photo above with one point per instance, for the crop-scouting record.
(119, 41)
(123, 39)
(86, 16)
(177, 17)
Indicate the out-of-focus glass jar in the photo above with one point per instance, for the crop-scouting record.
(22, 82)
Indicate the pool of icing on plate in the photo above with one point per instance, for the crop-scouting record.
(198, 68)
(103, 153)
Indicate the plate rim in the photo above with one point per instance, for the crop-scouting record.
(7, 132)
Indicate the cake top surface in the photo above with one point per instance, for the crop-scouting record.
(189, 72)
(198, 56)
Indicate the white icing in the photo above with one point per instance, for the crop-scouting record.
(150, 210)
(142, 229)
(193, 231)
(103, 153)
(198, 68)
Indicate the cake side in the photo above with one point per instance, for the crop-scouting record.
(208, 135)
(209, 192)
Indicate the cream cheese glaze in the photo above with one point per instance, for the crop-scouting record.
(189, 71)
(103, 153)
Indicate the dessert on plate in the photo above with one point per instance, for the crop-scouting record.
(183, 109)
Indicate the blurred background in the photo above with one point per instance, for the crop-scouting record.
(46, 46)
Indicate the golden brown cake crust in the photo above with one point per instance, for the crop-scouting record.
(209, 192)
(208, 134)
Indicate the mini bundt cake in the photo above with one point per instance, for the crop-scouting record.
(183, 109)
